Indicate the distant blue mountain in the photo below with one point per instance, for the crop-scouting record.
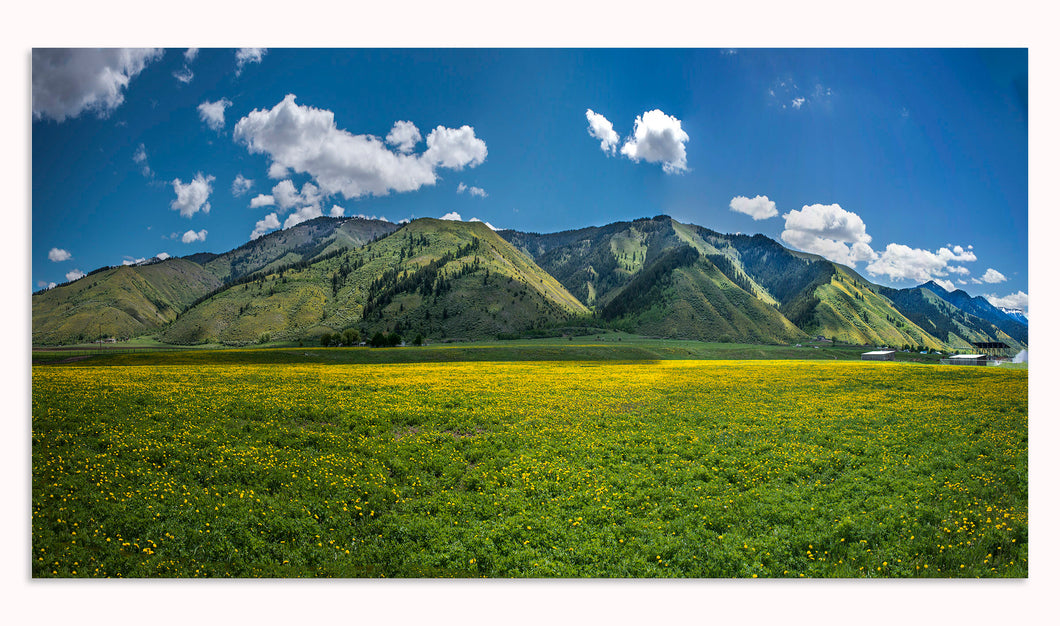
(1015, 327)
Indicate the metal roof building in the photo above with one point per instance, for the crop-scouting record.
(967, 359)
(878, 355)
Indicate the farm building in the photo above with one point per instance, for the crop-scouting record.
(967, 359)
(878, 355)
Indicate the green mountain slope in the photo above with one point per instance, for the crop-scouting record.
(119, 302)
(684, 294)
(431, 277)
(766, 292)
(943, 319)
(851, 309)
(304, 241)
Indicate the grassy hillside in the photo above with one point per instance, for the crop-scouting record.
(851, 310)
(432, 277)
(684, 294)
(739, 288)
(932, 312)
(119, 302)
(304, 241)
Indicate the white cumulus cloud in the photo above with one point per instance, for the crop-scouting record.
(404, 136)
(191, 236)
(1016, 300)
(474, 191)
(193, 196)
(901, 262)
(829, 231)
(454, 148)
(67, 82)
(248, 55)
(658, 138)
(602, 129)
(306, 140)
(993, 276)
(452, 216)
(759, 207)
(241, 185)
(74, 274)
(270, 222)
(261, 200)
(337, 211)
(58, 255)
(213, 113)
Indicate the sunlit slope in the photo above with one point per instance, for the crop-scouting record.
(301, 242)
(850, 309)
(935, 314)
(740, 288)
(684, 294)
(118, 302)
(432, 277)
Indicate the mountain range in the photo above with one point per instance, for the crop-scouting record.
(441, 279)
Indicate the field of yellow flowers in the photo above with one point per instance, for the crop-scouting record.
(530, 469)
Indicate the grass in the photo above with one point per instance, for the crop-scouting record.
(604, 345)
(709, 468)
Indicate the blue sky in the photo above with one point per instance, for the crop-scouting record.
(907, 164)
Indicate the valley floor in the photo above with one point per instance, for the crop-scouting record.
(649, 468)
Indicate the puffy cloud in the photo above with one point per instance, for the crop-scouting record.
(270, 222)
(162, 256)
(301, 215)
(241, 185)
(213, 113)
(993, 276)
(797, 103)
(285, 196)
(306, 140)
(454, 148)
(600, 128)
(658, 138)
(74, 274)
(337, 211)
(475, 191)
(190, 54)
(451, 216)
(193, 196)
(759, 207)
(140, 157)
(900, 262)
(67, 82)
(191, 236)
(830, 231)
(362, 216)
(58, 255)
(491, 226)
(404, 136)
(956, 254)
(248, 55)
(945, 284)
(261, 200)
(1016, 300)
